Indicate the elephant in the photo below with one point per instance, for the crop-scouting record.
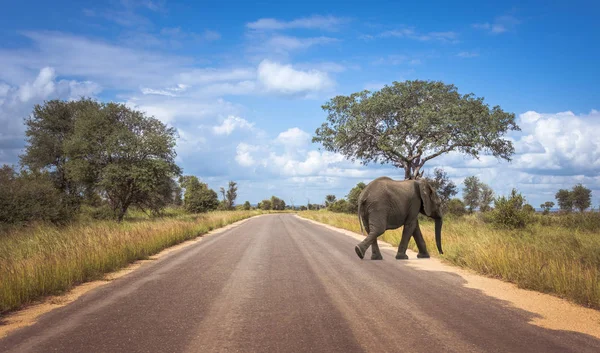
(390, 204)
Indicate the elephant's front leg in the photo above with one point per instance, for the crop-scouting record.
(407, 232)
(376, 254)
(423, 254)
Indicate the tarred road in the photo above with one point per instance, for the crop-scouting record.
(281, 284)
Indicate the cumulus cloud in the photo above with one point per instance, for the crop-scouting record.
(17, 101)
(243, 154)
(231, 123)
(284, 79)
(560, 143)
(293, 137)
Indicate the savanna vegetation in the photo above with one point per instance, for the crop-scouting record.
(552, 252)
(97, 188)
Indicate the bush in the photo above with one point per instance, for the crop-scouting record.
(340, 206)
(27, 197)
(510, 212)
(455, 207)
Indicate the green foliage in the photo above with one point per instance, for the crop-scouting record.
(247, 206)
(511, 212)
(198, 197)
(339, 206)
(29, 197)
(277, 203)
(409, 123)
(579, 197)
(471, 192)
(455, 207)
(265, 205)
(565, 202)
(547, 206)
(303, 208)
(229, 196)
(444, 187)
(582, 197)
(353, 197)
(528, 208)
(103, 149)
(486, 197)
(329, 199)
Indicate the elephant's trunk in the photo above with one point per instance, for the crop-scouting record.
(438, 234)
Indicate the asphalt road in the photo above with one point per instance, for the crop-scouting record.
(281, 284)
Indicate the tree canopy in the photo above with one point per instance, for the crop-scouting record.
(409, 123)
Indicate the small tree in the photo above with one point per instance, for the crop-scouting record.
(510, 212)
(471, 192)
(581, 197)
(197, 196)
(277, 203)
(565, 202)
(443, 185)
(486, 197)
(329, 199)
(266, 205)
(353, 197)
(247, 205)
(409, 123)
(547, 206)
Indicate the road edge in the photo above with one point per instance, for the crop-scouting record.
(29, 314)
(551, 312)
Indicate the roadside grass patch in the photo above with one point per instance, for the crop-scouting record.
(546, 256)
(44, 259)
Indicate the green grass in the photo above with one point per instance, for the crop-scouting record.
(43, 259)
(546, 256)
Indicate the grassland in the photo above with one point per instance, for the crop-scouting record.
(43, 259)
(550, 255)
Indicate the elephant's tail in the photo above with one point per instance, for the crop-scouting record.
(360, 218)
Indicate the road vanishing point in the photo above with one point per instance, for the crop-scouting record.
(278, 283)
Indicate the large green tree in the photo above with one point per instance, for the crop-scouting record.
(471, 192)
(582, 197)
(409, 123)
(125, 155)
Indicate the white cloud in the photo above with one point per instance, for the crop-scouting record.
(500, 24)
(284, 79)
(231, 123)
(467, 54)
(288, 43)
(410, 33)
(312, 22)
(243, 156)
(293, 138)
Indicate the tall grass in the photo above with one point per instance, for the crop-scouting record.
(44, 259)
(550, 256)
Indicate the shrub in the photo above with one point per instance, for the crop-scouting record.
(27, 197)
(339, 206)
(510, 212)
(455, 207)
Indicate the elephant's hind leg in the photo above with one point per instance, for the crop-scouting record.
(376, 254)
(423, 254)
(362, 247)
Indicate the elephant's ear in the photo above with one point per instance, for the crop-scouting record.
(427, 196)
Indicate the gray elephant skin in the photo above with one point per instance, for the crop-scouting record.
(390, 204)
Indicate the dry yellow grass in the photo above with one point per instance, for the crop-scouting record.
(551, 259)
(44, 259)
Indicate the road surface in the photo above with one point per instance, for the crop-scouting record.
(278, 283)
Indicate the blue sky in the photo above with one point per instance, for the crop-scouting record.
(243, 83)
